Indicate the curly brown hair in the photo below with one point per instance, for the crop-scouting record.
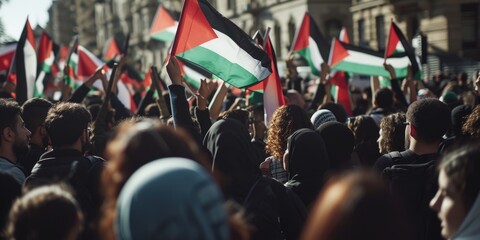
(393, 133)
(471, 127)
(134, 144)
(286, 120)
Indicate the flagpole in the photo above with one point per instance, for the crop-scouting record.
(162, 105)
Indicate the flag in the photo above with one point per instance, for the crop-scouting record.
(339, 80)
(111, 50)
(349, 58)
(45, 58)
(397, 44)
(193, 74)
(310, 44)
(214, 43)
(25, 64)
(164, 26)
(6, 56)
(88, 64)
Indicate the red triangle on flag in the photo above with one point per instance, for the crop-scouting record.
(301, 40)
(112, 50)
(392, 42)
(161, 21)
(45, 47)
(338, 53)
(193, 28)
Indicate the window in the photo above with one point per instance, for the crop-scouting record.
(470, 25)
(361, 32)
(333, 27)
(278, 40)
(231, 4)
(380, 25)
(291, 30)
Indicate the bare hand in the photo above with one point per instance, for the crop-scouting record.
(390, 70)
(173, 70)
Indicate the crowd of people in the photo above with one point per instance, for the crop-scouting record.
(207, 165)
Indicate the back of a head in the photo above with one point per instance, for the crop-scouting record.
(431, 119)
(459, 115)
(393, 133)
(339, 141)
(34, 112)
(66, 122)
(384, 98)
(337, 110)
(322, 116)
(48, 212)
(356, 205)
(294, 97)
(471, 127)
(171, 198)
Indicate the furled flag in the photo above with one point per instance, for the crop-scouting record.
(339, 80)
(25, 64)
(6, 56)
(349, 58)
(310, 44)
(397, 44)
(88, 64)
(164, 26)
(111, 50)
(46, 56)
(214, 43)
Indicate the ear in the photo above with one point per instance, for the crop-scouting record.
(413, 131)
(8, 134)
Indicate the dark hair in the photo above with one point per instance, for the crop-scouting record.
(393, 132)
(431, 119)
(34, 112)
(384, 98)
(355, 205)
(365, 131)
(339, 142)
(286, 120)
(337, 110)
(152, 110)
(463, 170)
(237, 114)
(9, 110)
(48, 212)
(471, 127)
(66, 122)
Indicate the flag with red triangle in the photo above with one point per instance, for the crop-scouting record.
(211, 41)
(397, 44)
(46, 57)
(339, 80)
(25, 65)
(111, 50)
(163, 26)
(344, 35)
(310, 44)
(6, 56)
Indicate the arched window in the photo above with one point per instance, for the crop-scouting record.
(292, 29)
(278, 40)
(332, 28)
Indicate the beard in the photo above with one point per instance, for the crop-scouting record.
(20, 148)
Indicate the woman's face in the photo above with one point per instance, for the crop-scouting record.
(449, 205)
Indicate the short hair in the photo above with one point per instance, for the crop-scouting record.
(337, 110)
(48, 212)
(35, 112)
(9, 110)
(393, 132)
(384, 98)
(66, 122)
(237, 114)
(431, 119)
(462, 168)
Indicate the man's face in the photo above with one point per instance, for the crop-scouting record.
(22, 138)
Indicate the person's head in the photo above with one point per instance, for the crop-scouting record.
(171, 198)
(392, 133)
(306, 161)
(364, 128)
(458, 190)
(339, 142)
(322, 116)
(471, 127)
(14, 135)
(67, 123)
(458, 117)
(428, 120)
(135, 143)
(237, 114)
(355, 205)
(94, 109)
(48, 212)
(286, 120)
(294, 97)
(384, 98)
(152, 110)
(34, 114)
(337, 110)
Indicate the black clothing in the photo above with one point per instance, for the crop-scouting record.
(31, 158)
(180, 112)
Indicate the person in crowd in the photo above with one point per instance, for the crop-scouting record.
(171, 198)
(322, 116)
(14, 139)
(339, 142)
(286, 120)
(258, 129)
(392, 133)
(276, 212)
(383, 104)
(355, 205)
(365, 131)
(457, 201)
(337, 110)
(11, 190)
(306, 161)
(67, 125)
(47, 212)
(294, 97)
(34, 113)
(135, 143)
(471, 127)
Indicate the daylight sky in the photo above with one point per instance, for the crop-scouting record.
(15, 12)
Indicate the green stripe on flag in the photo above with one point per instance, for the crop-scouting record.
(365, 69)
(305, 53)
